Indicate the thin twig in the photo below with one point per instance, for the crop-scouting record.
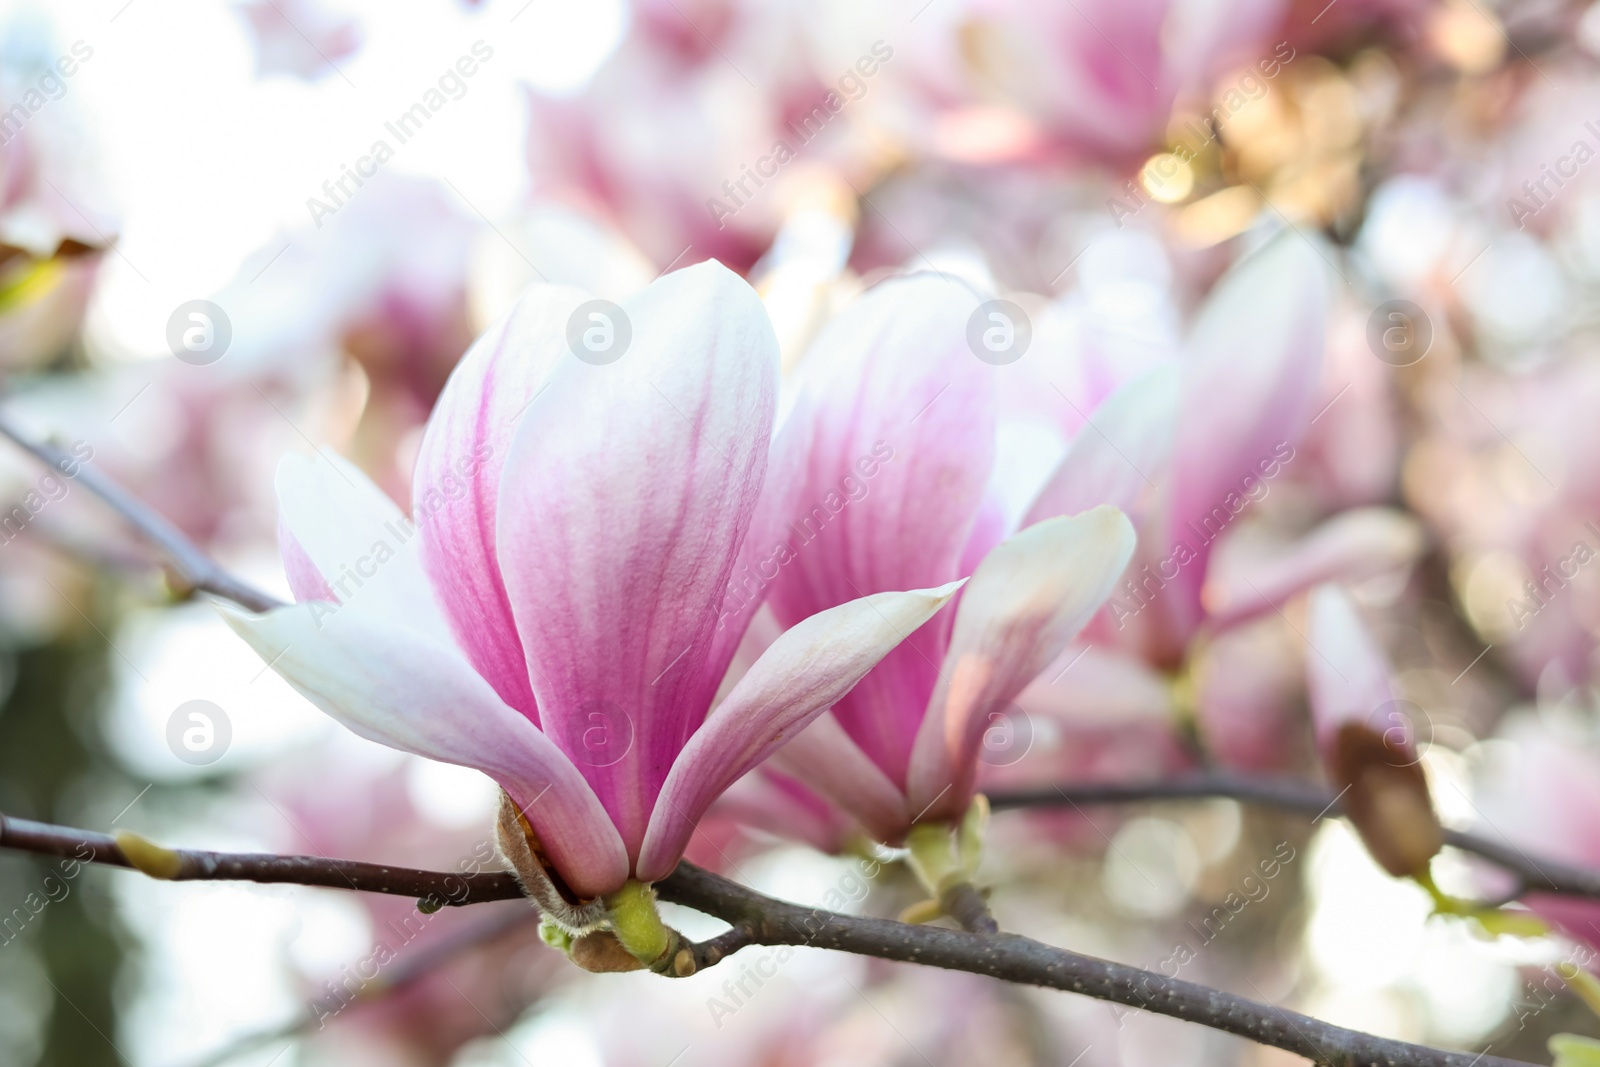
(193, 565)
(1533, 873)
(761, 920)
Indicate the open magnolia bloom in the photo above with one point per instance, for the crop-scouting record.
(1367, 737)
(899, 488)
(552, 617)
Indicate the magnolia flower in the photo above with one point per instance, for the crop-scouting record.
(551, 619)
(1366, 736)
(902, 417)
(1188, 450)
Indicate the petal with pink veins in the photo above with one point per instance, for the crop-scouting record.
(805, 671)
(305, 581)
(1024, 604)
(1249, 379)
(627, 492)
(357, 540)
(824, 758)
(456, 486)
(768, 545)
(902, 453)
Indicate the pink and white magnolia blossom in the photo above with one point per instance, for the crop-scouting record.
(552, 618)
(899, 488)
(1188, 450)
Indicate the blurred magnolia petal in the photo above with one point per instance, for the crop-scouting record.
(556, 244)
(1248, 682)
(302, 38)
(1539, 782)
(1252, 574)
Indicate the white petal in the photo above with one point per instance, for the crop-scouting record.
(1026, 601)
(359, 540)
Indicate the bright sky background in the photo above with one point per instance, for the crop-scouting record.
(206, 163)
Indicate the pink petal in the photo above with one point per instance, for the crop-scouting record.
(824, 758)
(626, 494)
(767, 545)
(1246, 581)
(902, 452)
(456, 486)
(1248, 382)
(1027, 600)
(349, 543)
(305, 581)
(1347, 672)
(1248, 685)
(390, 685)
(1120, 455)
(773, 802)
(812, 665)
(1090, 685)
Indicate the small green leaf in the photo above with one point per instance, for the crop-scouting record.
(555, 937)
(1570, 1050)
(1497, 921)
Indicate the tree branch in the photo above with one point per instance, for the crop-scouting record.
(1533, 873)
(194, 566)
(759, 920)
